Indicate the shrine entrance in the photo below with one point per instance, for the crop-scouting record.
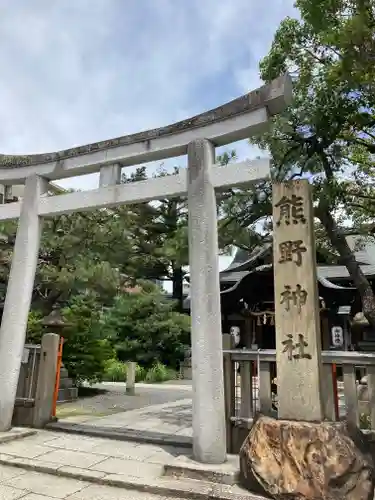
(197, 137)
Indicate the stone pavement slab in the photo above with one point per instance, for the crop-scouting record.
(100, 492)
(166, 418)
(167, 423)
(35, 496)
(9, 493)
(112, 398)
(68, 465)
(44, 484)
(134, 468)
(23, 449)
(16, 433)
(7, 473)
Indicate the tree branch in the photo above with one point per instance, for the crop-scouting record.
(338, 241)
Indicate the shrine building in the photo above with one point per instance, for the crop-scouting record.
(247, 298)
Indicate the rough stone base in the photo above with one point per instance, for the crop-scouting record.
(303, 460)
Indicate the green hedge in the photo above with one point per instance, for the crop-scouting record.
(115, 371)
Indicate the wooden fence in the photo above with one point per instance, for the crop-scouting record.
(36, 383)
(250, 380)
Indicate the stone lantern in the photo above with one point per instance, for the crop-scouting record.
(54, 322)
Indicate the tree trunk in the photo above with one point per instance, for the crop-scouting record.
(46, 304)
(178, 288)
(348, 259)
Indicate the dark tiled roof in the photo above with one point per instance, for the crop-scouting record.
(364, 251)
(337, 272)
(245, 263)
(324, 272)
(243, 259)
(235, 278)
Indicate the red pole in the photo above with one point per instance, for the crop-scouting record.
(335, 392)
(57, 380)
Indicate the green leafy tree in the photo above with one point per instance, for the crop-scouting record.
(144, 327)
(160, 230)
(78, 252)
(172, 222)
(327, 134)
(86, 350)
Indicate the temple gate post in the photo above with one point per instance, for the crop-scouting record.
(18, 297)
(209, 430)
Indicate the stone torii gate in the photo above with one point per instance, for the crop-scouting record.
(198, 137)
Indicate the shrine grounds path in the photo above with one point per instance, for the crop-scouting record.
(111, 398)
(49, 465)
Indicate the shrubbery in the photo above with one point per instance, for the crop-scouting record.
(141, 325)
(86, 351)
(144, 328)
(115, 371)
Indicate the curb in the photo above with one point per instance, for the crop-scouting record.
(188, 472)
(122, 434)
(142, 385)
(189, 489)
(14, 436)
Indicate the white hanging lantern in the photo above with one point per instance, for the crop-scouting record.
(337, 336)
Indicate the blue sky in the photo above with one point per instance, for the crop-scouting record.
(79, 71)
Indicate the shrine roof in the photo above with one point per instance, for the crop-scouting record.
(364, 251)
(259, 262)
(324, 273)
(243, 259)
(236, 279)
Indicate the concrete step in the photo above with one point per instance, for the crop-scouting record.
(164, 486)
(67, 394)
(121, 434)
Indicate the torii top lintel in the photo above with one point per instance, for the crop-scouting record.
(235, 120)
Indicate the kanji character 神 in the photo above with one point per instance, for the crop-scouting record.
(296, 297)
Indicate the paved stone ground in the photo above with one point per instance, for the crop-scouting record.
(113, 399)
(161, 409)
(173, 418)
(55, 465)
(15, 484)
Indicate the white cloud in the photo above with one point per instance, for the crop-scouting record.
(77, 72)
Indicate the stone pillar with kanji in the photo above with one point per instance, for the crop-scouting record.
(299, 454)
(297, 316)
